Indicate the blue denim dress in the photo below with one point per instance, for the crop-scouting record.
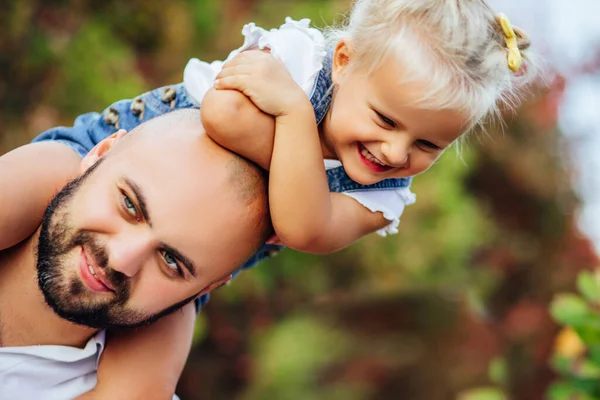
(91, 128)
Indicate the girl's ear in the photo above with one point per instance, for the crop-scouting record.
(101, 149)
(341, 59)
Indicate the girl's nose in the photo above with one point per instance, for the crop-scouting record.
(396, 152)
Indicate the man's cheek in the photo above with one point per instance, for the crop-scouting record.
(154, 297)
(95, 212)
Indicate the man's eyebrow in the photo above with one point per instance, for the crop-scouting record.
(141, 200)
(189, 265)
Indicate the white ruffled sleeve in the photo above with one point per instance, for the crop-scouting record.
(198, 78)
(300, 47)
(390, 203)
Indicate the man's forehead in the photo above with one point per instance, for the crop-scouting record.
(180, 167)
(180, 178)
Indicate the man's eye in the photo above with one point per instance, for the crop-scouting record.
(386, 120)
(171, 261)
(129, 206)
(427, 145)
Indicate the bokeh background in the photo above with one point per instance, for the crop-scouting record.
(456, 306)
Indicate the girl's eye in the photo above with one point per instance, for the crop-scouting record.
(386, 120)
(130, 207)
(427, 145)
(171, 261)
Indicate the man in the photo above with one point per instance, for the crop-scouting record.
(159, 217)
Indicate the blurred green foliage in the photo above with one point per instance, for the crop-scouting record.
(577, 351)
(417, 315)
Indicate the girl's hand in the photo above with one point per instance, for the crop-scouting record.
(264, 80)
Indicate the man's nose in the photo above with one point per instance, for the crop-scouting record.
(128, 252)
(397, 150)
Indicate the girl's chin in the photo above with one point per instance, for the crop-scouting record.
(362, 177)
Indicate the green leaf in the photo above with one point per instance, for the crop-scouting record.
(588, 284)
(485, 393)
(594, 353)
(497, 371)
(590, 333)
(561, 364)
(588, 370)
(567, 391)
(570, 309)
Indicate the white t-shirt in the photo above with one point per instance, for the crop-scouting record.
(50, 372)
(302, 50)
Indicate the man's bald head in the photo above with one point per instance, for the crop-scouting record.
(246, 179)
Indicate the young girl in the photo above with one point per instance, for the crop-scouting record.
(409, 77)
(400, 83)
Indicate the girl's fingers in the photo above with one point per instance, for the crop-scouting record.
(230, 63)
(239, 72)
(240, 69)
(233, 82)
(242, 58)
(253, 54)
(230, 71)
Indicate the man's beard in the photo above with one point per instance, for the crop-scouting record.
(67, 295)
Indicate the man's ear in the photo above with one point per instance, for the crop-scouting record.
(215, 285)
(101, 149)
(341, 58)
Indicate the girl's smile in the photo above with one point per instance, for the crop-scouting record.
(372, 162)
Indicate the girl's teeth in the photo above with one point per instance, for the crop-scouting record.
(91, 270)
(371, 157)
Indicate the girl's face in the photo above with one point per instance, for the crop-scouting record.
(373, 127)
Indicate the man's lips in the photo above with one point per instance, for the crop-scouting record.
(370, 160)
(92, 275)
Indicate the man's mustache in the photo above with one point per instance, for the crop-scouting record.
(117, 280)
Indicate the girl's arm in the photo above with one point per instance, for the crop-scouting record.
(145, 363)
(234, 122)
(306, 216)
(30, 176)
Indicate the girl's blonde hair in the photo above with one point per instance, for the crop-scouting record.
(457, 45)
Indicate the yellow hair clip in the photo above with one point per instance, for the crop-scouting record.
(514, 54)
